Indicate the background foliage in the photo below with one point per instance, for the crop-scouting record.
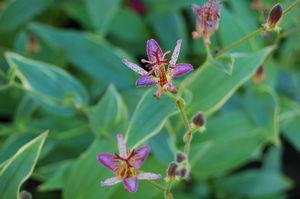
(61, 71)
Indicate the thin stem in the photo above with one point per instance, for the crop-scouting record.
(157, 186)
(188, 139)
(180, 104)
(254, 33)
(291, 7)
(239, 42)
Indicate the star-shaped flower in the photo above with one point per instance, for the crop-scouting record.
(207, 20)
(126, 165)
(161, 71)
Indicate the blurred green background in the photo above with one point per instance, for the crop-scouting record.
(61, 70)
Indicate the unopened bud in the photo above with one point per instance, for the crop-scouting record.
(199, 120)
(180, 157)
(171, 172)
(25, 195)
(259, 75)
(274, 17)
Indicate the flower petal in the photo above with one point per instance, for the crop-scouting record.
(153, 49)
(134, 67)
(176, 52)
(107, 160)
(139, 156)
(144, 81)
(121, 146)
(149, 176)
(110, 181)
(131, 184)
(181, 69)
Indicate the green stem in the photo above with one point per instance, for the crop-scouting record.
(157, 186)
(254, 33)
(188, 140)
(239, 42)
(291, 7)
(180, 104)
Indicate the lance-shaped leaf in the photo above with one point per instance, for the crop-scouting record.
(91, 54)
(262, 105)
(19, 167)
(101, 13)
(51, 86)
(148, 118)
(19, 12)
(86, 173)
(109, 114)
(211, 88)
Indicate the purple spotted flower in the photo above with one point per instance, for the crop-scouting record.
(161, 71)
(207, 20)
(126, 165)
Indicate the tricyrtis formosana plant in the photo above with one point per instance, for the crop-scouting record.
(201, 119)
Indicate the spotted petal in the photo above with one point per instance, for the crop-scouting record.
(131, 184)
(134, 67)
(140, 155)
(176, 52)
(153, 48)
(121, 146)
(181, 69)
(149, 176)
(144, 81)
(107, 160)
(110, 181)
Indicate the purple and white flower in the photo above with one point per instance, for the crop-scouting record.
(126, 165)
(161, 71)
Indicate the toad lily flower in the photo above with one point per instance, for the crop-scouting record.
(126, 165)
(161, 71)
(207, 20)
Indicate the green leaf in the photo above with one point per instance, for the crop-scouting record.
(19, 12)
(83, 180)
(231, 139)
(91, 54)
(49, 84)
(109, 114)
(148, 118)
(101, 12)
(58, 173)
(262, 105)
(211, 88)
(169, 22)
(224, 63)
(19, 168)
(264, 182)
(291, 128)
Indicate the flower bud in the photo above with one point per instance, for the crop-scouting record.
(199, 120)
(259, 75)
(180, 157)
(274, 17)
(25, 195)
(171, 172)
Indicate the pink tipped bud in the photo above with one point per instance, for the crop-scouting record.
(199, 120)
(274, 16)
